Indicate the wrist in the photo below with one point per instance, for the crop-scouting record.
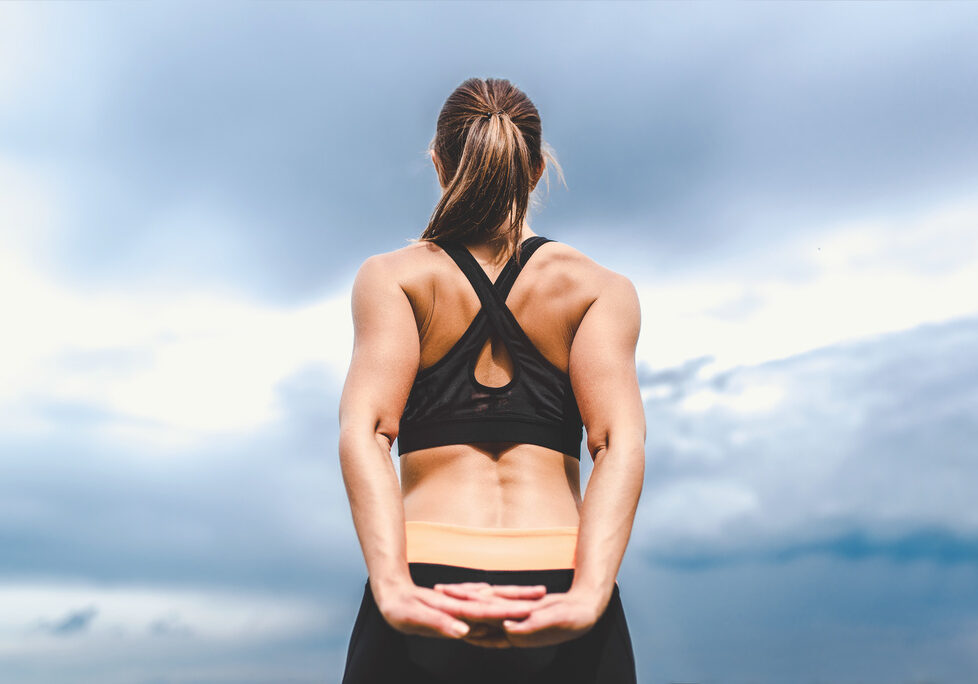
(383, 586)
(596, 596)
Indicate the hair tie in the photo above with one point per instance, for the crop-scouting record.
(498, 111)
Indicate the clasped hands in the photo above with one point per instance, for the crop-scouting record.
(497, 616)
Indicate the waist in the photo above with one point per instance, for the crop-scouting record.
(491, 548)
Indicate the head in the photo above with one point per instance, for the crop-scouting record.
(489, 154)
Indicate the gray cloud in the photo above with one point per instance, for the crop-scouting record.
(207, 160)
(863, 463)
(74, 622)
(259, 511)
(865, 454)
(831, 534)
(864, 524)
(813, 618)
(169, 626)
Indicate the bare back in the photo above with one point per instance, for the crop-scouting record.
(498, 484)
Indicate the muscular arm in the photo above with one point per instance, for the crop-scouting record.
(603, 374)
(386, 355)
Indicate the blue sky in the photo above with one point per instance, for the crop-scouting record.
(186, 192)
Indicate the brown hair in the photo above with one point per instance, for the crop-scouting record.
(489, 144)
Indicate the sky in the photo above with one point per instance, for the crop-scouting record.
(187, 191)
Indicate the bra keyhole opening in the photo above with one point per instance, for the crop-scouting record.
(493, 364)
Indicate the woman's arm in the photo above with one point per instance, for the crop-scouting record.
(605, 382)
(386, 355)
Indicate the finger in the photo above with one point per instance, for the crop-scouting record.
(463, 593)
(460, 608)
(492, 592)
(518, 591)
(539, 619)
(450, 604)
(482, 586)
(482, 609)
(463, 585)
(443, 624)
(493, 609)
(481, 590)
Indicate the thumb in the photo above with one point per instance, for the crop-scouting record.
(517, 625)
(537, 619)
(455, 628)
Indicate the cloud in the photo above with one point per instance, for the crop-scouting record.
(846, 281)
(814, 617)
(168, 626)
(76, 621)
(861, 450)
(181, 216)
(175, 407)
(165, 178)
(158, 633)
(163, 368)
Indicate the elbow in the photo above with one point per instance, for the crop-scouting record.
(597, 443)
(385, 438)
(385, 430)
(358, 432)
(625, 445)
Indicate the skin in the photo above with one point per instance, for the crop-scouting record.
(409, 307)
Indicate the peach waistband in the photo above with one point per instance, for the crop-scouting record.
(491, 548)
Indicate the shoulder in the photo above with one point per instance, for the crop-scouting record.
(392, 258)
(399, 266)
(561, 259)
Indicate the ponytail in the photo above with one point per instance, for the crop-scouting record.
(488, 143)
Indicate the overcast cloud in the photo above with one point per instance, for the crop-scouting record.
(186, 192)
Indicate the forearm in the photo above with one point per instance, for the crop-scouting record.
(607, 514)
(376, 505)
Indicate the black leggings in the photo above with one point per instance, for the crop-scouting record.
(380, 654)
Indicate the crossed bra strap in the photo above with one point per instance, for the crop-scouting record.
(492, 295)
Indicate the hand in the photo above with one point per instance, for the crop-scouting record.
(411, 609)
(489, 633)
(555, 618)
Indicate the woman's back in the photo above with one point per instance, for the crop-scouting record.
(514, 485)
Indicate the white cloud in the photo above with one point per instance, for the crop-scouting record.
(203, 363)
(845, 282)
(750, 399)
(172, 366)
(694, 509)
(15, 64)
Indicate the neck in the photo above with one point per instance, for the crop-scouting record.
(496, 249)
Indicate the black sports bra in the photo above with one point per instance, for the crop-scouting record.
(447, 405)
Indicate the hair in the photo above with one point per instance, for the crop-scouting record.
(489, 144)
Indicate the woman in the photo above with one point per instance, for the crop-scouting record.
(483, 563)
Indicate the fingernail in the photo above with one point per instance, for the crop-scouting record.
(439, 586)
(460, 629)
